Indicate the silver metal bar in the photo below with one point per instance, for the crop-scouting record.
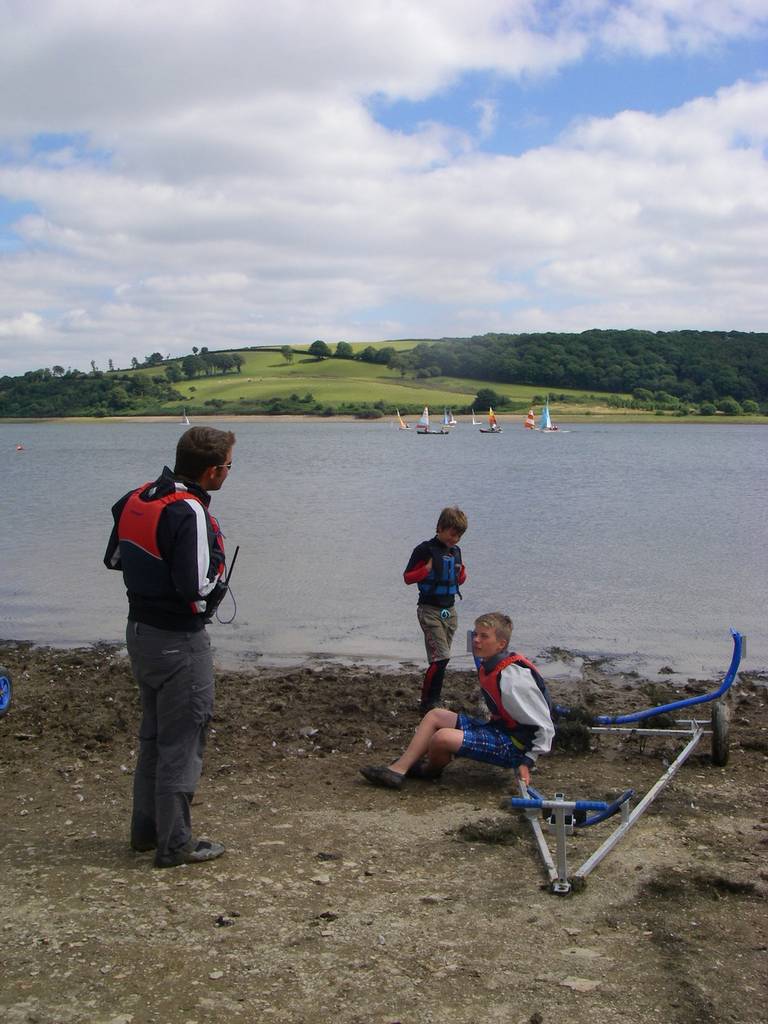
(561, 886)
(642, 732)
(643, 806)
(538, 834)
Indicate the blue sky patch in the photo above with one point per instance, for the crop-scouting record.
(78, 144)
(12, 210)
(533, 112)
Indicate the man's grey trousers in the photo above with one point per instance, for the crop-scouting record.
(174, 672)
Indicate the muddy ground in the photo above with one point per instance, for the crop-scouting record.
(337, 902)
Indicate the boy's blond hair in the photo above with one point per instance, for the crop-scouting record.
(452, 518)
(500, 623)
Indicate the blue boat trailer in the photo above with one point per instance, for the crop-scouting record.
(6, 690)
(565, 816)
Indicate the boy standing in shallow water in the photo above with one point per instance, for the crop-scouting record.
(436, 567)
(520, 727)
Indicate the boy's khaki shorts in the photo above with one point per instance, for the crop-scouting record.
(438, 631)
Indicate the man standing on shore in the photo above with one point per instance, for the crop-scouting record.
(171, 552)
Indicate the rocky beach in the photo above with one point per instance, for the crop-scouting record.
(340, 902)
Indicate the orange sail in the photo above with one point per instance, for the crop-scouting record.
(493, 427)
(530, 420)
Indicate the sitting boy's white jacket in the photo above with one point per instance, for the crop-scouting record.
(524, 701)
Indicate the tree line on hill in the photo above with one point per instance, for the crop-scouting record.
(673, 371)
(54, 391)
(37, 394)
(695, 367)
(680, 371)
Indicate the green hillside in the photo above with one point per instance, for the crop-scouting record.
(619, 373)
(342, 384)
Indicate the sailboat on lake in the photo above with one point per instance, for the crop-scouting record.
(545, 422)
(530, 420)
(493, 427)
(184, 417)
(449, 419)
(475, 422)
(401, 424)
(423, 427)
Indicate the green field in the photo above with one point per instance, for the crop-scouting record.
(346, 386)
(266, 374)
(262, 382)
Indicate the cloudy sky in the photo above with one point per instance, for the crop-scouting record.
(189, 172)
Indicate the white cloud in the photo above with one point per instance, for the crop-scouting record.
(216, 178)
(652, 27)
(488, 117)
(27, 325)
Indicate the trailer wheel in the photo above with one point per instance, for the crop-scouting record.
(720, 746)
(6, 691)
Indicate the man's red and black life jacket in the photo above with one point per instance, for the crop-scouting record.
(489, 677)
(146, 573)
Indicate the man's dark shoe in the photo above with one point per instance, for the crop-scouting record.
(196, 852)
(143, 832)
(143, 845)
(381, 776)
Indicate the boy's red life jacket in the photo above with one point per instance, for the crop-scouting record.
(491, 689)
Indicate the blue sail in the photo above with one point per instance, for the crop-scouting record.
(544, 422)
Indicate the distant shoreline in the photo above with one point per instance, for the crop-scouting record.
(503, 418)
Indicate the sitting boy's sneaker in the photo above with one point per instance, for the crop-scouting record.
(382, 776)
(197, 851)
(421, 770)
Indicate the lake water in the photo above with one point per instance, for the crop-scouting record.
(642, 542)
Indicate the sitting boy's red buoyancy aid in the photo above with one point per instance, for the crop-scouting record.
(490, 685)
(144, 570)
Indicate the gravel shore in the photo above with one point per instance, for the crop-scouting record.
(340, 902)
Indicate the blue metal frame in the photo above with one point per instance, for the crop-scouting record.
(676, 705)
(535, 800)
(6, 691)
(564, 816)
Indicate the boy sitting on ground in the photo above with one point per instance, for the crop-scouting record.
(520, 726)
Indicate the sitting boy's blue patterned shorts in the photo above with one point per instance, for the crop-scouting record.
(486, 741)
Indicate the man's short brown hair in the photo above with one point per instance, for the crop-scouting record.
(201, 447)
(500, 623)
(452, 518)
